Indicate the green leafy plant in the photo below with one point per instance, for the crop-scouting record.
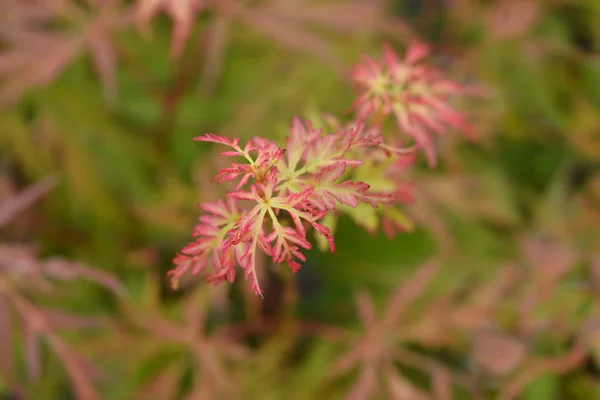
(490, 292)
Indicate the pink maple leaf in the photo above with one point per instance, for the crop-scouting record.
(287, 240)
(268, 155)
(327, 191)
(208, 244)
(417, 95)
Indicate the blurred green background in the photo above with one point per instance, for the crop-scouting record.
(111, 114)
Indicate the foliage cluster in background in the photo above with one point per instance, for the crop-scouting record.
(491, 293)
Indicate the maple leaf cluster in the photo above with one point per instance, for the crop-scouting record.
(289, 190)
(316, 175)
(416, 94)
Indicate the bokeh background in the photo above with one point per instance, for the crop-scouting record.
(494, 294)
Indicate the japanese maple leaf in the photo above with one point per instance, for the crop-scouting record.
(327, 191)
(268, 155)
(208, 244)
(416, 94)
(282, 243)
(308, 149)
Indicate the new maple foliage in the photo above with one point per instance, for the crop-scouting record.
(416, 94)
(302, 183)
(507, 309)
(295, 187)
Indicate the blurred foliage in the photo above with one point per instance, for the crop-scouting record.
(510, 310)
